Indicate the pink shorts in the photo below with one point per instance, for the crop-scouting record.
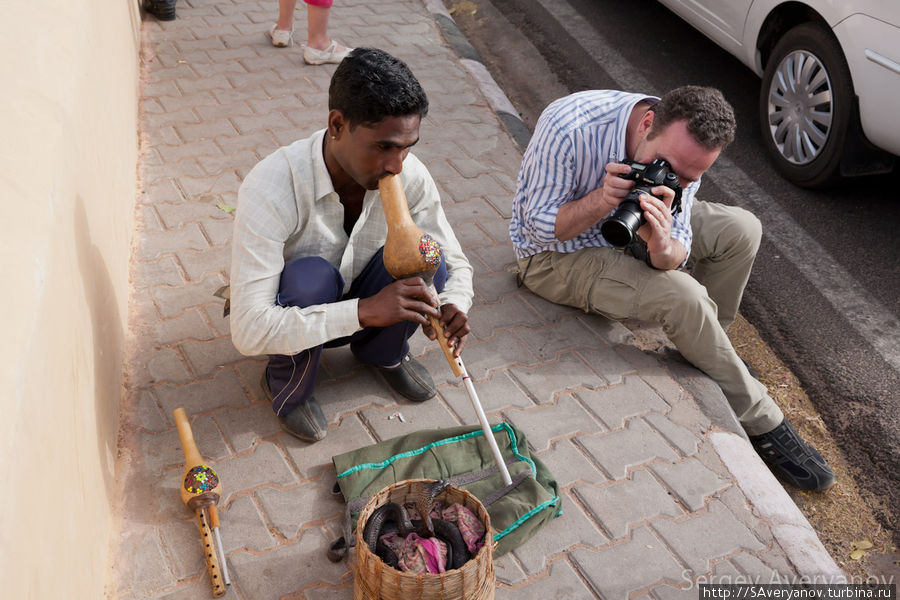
(322, 3)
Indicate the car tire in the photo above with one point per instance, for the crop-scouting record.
(805, 105)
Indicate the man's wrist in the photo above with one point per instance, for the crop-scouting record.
(669, 257)
(362, 313)
(601, 205)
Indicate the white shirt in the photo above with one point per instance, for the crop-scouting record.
(287, 209)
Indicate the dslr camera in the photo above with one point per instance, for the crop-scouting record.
(620, 227)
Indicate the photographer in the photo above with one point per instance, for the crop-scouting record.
(573, 179)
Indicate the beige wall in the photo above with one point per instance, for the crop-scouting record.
(68, 153)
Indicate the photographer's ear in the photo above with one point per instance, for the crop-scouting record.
(645, 124)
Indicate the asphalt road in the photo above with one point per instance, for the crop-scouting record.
(825, 292)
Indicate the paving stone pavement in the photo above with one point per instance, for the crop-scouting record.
(649, 507)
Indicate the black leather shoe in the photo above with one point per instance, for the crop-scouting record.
(792, 459)
(306, 421)
(410, 379)
(164, 10)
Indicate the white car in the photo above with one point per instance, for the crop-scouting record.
(830, 78)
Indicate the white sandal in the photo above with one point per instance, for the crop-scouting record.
(331, 54)
(280, 37)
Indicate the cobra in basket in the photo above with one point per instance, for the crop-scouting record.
(389, 513)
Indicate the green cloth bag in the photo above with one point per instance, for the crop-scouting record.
(462, 455)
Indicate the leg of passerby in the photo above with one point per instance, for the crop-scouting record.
(616, 285)
(282, 31)
(726, 240)
(289, 380)
(320, 48)
(317, 24)
(387, 348)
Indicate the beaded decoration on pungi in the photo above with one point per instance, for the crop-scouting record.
(200, 479)
(430, 249)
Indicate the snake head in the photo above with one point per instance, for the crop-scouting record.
(436, 488)
(424, 502)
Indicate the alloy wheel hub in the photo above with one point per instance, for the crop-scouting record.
(800, 107)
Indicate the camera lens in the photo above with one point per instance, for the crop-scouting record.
(620, 227)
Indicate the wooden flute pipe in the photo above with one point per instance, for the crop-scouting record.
(200, 491)
(410, 252)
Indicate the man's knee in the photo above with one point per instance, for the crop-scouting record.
(738, 232)
(721, 231)
(745, 231)
(309, 280)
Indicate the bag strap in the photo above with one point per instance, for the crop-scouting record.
(497, 494)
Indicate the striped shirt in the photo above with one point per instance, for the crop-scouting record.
(576, 136)
(287, 208)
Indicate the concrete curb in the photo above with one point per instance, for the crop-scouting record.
(473, 63)
(792, 530)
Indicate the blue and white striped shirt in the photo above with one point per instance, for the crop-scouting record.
(576, 136)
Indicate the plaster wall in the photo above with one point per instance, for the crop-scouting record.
(68, 158)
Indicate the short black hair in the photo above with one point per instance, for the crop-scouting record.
(709, 116)
(370, 84)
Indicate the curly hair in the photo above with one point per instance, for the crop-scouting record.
(370, 84)
(709, 116)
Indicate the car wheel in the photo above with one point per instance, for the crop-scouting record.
(804, 105)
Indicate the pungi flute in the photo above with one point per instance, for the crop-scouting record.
(200, 491)
(410, 252)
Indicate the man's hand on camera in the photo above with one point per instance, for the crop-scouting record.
(404, 300)
(657, 212)
(456, 327)
(614, 188)
(665, 251)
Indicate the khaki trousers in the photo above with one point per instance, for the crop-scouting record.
(694, 310)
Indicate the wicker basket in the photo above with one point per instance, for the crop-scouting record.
(375, 580)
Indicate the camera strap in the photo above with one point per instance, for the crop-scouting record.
(638, 249)
(520, 275)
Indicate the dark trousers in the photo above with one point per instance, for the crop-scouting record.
(313, 280)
